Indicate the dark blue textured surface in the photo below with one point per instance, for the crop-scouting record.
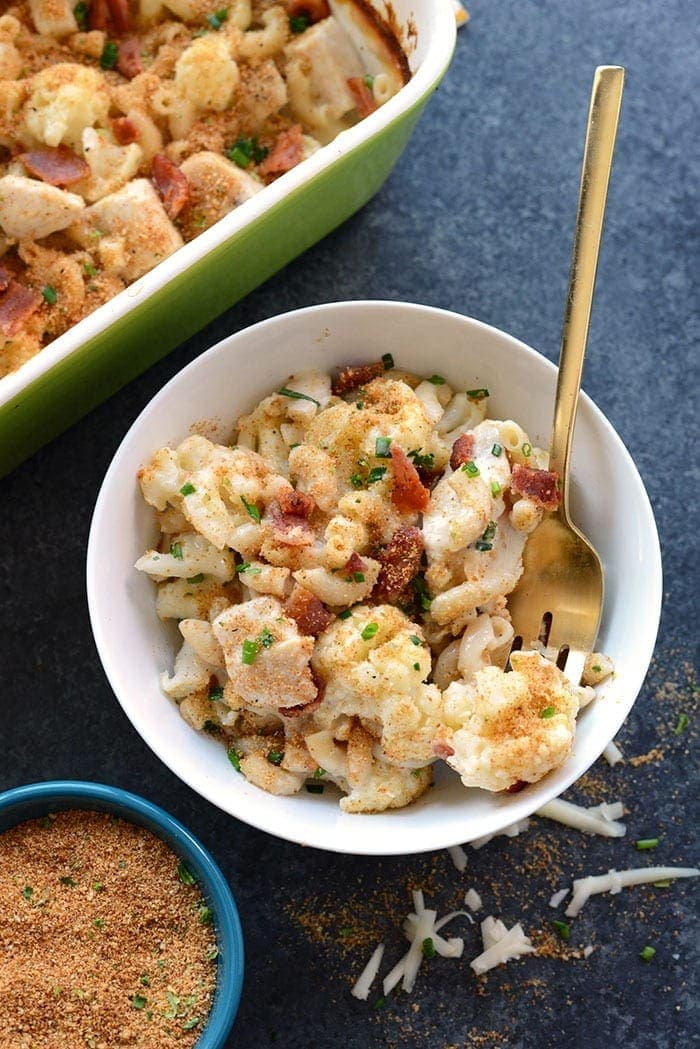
(478, 218)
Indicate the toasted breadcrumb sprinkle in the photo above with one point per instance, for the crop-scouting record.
(105, 938)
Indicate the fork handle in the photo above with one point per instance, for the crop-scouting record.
(603, 114)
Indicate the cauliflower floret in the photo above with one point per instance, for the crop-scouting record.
(190, 674)
(65, 99)
(206, 74)
(374, 785)
(374, 664)
(53, 17)
(277, 672)
(504, 728)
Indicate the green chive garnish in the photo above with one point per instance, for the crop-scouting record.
(189, 1025)
(647, 953)
(681, 724)
(249, 651)
(369, 631)
(298, 23)
(185, 875)
(644, 844)
(471, 469)
(376, 474)
(496, 450)
(206, 915)
(415, 639)
(548, 712)
(245, 150)
(199, 578)
(563, 929)
(176, 551)
(495, 489)
(98, 923)
(319, 773)
(265, 638)
(662, 884)
(422, 592)
(138, 1001)
(252, 509)
(428, 947)
(275, 757)
(485, 541)
(234, 757)
(145, 980)
(477, 395)
(50, 294)
(188, 488)
(67, 880)
(527, 449)
(27, 892)
(381, 448)
(387, 361)
(346, 614)
(80, 12)
(416, 666)
(356, 481)
(296, 396)
(427, 462)
(217, 19)
(216, 693)
(369, 81)
(437, 380)
(110, 53)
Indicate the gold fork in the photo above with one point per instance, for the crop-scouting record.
(559, 598)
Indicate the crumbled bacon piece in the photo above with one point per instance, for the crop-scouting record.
(462, 450)
(129, 57)
(293, 502)
(307, 708)
(407, 493)
(57, 165)
(4, 279)
(119, 12)
(17, 304)
(542, 486)
(124, 131)
(353, 564)
(171, 183)
(442, 750)
(290, 529)
(353, 376)
(98, 14)
(310, 614)
(314, 10)
(286, 152)
(400, 561)
(364, 99)
(516, 787)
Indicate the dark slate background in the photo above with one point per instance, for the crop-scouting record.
(477, 217)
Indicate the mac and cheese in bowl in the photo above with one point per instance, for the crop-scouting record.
(127, 127)
(339, 576)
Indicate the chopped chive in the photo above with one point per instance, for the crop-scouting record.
(662, 884)
(495, 489)
(80, 12)
(681, 724)
(359, 405)
(647, 953)
(189, 1025)
(345, 614)
(199, 578)
(98, 923)
(356, 481)
(185, 875)
(27, 892)
(428, 947)
(188, 488)
(387, 361)
(265, 638)
(319, 773)
(644, 844)
(471, 469)
(315, 788)
(485, 541)
(249, 651)
(369, 81)
(496, 450)
(296, 444)
(50, 294)
(97, 886)
(234, 757)
(527, 449)
(110, 53)
(422, 592)
(416, 773)
(275, 757)
(206, 915)
(427, 462)
(216, 693)
(596, 668)
(245, 150)
(437, 380)
(67, 880)
(380, 1002)
(212, 954)
(252, 509)
(548, 712)
(248, 568)
(217, 19)
(138, 1001)
(477, 395)
(176, 551)
(369, 631)
(376, 474)
(145, 980)
(415, 639)
(295, 395)
(298, 23)
(416, 666)
(381, 448)
(238, 156)
(90, 269)
(563, 929)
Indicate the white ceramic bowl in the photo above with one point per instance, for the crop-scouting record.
(608, 501)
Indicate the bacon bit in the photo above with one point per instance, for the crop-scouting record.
(314, 10)
(353, 376)
(98, 14)
(364, 99)
(290, 529)
(306, 708)
(442, 750)
(400, 561)
(286, 152)
(462, 450)
(17, 304)
(542, 486)
(353, 564)
(310, 614)
(59, 165)
(4, 279)
(516, 787)
(129, 57)
(293, 502)
(125, 131)
(407, 494)
(171, 183)
(119, 10)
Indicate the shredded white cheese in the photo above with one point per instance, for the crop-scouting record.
(419, 927)
(461, 14)
(473, 900)
(459, 857)
(558, 897)
(615, 881)
(509, 832)
(368, 974)
(612, 753)
(501, 945)
(588, 951)
(596, 820)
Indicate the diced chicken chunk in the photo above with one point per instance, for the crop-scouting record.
(325, 54)
(30, 209)
(216, 187)
(53, 17)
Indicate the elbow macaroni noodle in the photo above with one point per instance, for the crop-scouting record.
(341, 622)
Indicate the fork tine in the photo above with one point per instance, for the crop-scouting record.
(573, 668)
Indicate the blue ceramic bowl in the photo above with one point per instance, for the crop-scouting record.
(38, 799)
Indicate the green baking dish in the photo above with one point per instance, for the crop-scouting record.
(187, 290)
